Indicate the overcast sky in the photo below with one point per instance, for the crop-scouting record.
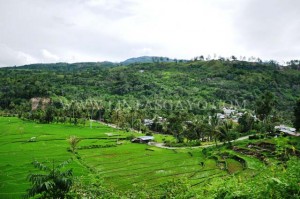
(43, 31)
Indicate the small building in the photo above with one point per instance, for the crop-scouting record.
(161, 119)
(148, 122)
(287, 130)
(143, 139)
(228, 112)
(220, 116)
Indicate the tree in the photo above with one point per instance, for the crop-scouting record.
(195, 130)
(226, 132)
(118, 117)
(176, 124)
(49, 114)
(233, 57)
(246, 123)
(214, 127)
(73, 141)
(297, 115)
(265, 105)
(52, 182)
(132, 114)
(74, 108)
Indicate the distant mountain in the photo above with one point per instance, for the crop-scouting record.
(104, 64)
(66, 66)
(149, 59)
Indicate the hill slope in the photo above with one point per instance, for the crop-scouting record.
(201, 81)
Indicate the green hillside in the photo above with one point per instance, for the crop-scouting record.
(212, 82)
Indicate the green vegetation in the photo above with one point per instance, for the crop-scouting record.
(73, 141)
(297, 115)
(112, 170)
(207, 83)
(90, 112)
(181, 98)
(52, 183)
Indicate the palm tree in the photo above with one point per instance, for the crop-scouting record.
(52, 183)
(73, 141)
(118, 117)
(226, 131)
(214, 128)
(132, 113)
(74, 109)
(138, 124)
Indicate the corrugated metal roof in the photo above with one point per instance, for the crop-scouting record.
(146, 137)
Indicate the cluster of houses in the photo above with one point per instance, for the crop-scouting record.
(149, 122)
(230, 113)
(227, 113)
(234, 115)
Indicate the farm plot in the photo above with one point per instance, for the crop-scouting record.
(124, 166)
(17, 153)
(102, 151)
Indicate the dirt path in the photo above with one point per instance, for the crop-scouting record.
(161, 145)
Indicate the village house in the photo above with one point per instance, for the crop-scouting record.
(143, 139)
(287, 130)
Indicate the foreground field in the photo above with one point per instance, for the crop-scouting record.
(107, 153)
(120, 165)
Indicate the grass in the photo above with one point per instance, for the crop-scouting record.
(17, 153)
(233, 166)
(122, 165)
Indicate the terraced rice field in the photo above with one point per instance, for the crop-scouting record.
(121, 165)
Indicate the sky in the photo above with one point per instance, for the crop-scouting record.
(48, 31)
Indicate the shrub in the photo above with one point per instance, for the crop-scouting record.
(73, 141)
(130, 137)
(52, 182)
(184, 144)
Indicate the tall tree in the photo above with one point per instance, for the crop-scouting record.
(214, 127)
(226, 132)
(265, 105)
(49, 114)
(246, 123)
(118, 117)
(176, 124)
(297, 115)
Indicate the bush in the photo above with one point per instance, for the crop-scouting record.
(130, 137)
(149, 133)
(252, 132)
(95, 146)
(256, 137)
(184, 144)
(51, 182)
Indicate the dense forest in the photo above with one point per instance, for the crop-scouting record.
(128, 94)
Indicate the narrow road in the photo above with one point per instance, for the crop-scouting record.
(161, 145)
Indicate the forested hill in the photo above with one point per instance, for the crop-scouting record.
(206, 81)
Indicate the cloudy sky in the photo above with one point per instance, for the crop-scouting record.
(43, 31)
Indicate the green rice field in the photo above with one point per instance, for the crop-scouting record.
(120, 163)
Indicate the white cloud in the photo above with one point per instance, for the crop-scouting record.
(49, 57)
(12, 57)
(97, 30)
